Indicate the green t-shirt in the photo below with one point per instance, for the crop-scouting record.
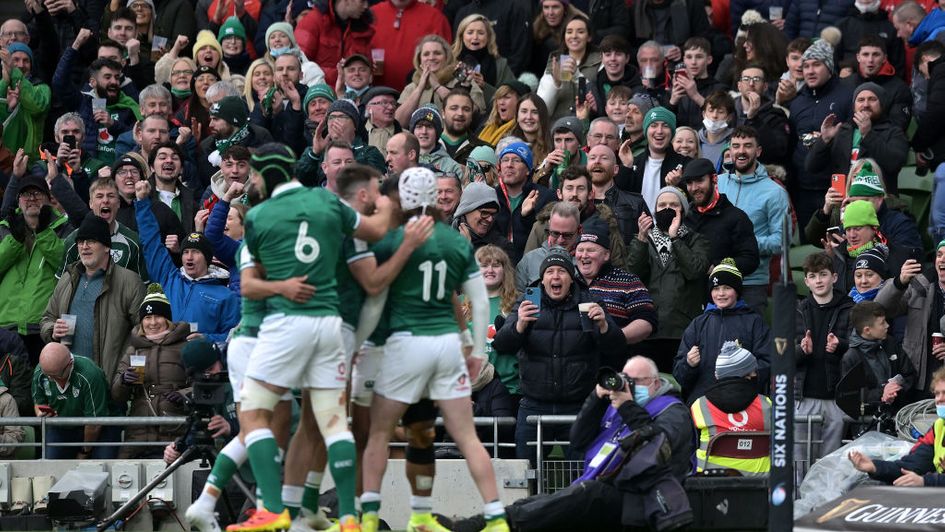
(506, 364)
(252, 311)
(421, 296)
(350, 293)
(515, 201)
(86, 395)
(297, 232)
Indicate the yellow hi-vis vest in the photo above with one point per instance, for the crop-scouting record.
(939, 433)
(710, 420)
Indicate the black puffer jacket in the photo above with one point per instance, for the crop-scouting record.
(709, 331)
(929, 134)
(832, 317)
(558, 362)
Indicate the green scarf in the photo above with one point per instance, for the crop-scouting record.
(237, 136)
(181, 94)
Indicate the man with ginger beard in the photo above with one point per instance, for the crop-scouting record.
(727, 228)
(458, 126)
(626, 206)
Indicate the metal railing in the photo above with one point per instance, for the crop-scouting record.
(44, 422)
(566, 471)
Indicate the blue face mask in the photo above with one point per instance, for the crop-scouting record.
(940, 411)
(276, 52)
(641, 394)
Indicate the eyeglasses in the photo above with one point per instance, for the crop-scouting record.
(384, 104)
(751, 79)
(15, 34)
(182, 72)
(128, 172)
(32, 195)
(558, 234)
(512, 159)
(486, 214)
(338, 116)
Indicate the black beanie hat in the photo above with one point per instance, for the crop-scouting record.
(155, 303)
(596, 230)
(726, 273)
(199, 354)
(558, 257)
(94, 228)
(199, 242)
(872, 259)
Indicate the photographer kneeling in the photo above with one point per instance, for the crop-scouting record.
(628, 480)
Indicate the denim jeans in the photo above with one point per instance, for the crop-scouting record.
(525, 432)
(76, 435)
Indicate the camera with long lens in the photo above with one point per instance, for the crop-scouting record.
(614, 381)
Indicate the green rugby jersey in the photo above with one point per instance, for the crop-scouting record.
(86, 395)
(298, 232)
(350, 293)
(252, 311)
(420, 299)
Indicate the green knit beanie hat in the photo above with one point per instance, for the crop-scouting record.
(232, 27)
(866, 182)
(860, 213)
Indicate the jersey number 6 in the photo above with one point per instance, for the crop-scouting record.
(306, 247)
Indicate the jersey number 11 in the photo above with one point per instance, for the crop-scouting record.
(426, 268)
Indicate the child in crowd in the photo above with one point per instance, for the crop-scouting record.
(889, 372)
(823, 329)
(727, 317)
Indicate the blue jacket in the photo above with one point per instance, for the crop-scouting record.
(929, 28)
(709, 331)
(807, 112)
(805, 18)
(766, 204)
(206, 300)
(224, 247)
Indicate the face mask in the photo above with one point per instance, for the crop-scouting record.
(276, 52)
(714, 126)
(940, 411)
(664, 218)
(641, 394)
(867, 8)
(729, 167)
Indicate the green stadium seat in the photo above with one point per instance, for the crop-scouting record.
(799, 253)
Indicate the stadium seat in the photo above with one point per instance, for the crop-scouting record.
(739, 445)
(798, 253)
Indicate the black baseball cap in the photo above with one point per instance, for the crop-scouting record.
(697, 169)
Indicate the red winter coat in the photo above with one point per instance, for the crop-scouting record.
(325, 40)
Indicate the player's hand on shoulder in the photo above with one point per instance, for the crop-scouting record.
(417, 231)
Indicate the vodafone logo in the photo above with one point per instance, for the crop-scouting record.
(738, 420)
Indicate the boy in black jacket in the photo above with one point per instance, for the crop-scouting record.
(823, 331)
(887, 367)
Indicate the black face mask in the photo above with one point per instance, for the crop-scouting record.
(664, 218)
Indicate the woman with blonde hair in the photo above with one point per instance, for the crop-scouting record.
(260, 79)
(501, 118)
(532, 125)
(433, 78)
(499, 274)
(178, 81)
(475, 47)
(686, 142)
